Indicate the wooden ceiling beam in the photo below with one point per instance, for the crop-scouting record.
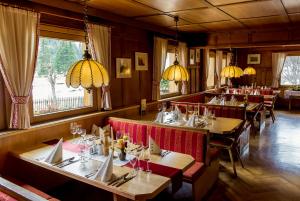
(74, 10)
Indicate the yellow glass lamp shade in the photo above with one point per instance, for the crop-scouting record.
(87, 73)
(231, 72)
(176, 73)
(249, 71)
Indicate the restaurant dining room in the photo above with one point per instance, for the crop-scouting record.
(159, 100)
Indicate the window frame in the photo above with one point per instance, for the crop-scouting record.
(171, 49)
(296, 53)
(57, 32)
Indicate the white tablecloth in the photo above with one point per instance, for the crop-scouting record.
(288, 93)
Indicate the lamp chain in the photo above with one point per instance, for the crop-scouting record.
(176, 37)
(85, 20)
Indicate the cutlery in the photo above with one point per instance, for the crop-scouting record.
(63, 161)
(91, 174)
(115, 181)
(69, 163)
(124, 180)
(163, 154)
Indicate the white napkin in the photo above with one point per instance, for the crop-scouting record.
(179, 114)
(105, 172)
(192, 121)
(154, 148)
(159, 117)
(222, 102)
(55, 155)
(213, 101)
(227, 91)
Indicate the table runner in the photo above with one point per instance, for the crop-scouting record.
(173, 173)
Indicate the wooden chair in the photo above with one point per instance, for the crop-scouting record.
(269, 106)
(230, 144)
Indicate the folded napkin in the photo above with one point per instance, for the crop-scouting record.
(192, 121)
(154, 148)
(227, 91)
(159, 117)
(179, 114)
(222, 102)
(213, 101)
(55, 155)
(105, 172)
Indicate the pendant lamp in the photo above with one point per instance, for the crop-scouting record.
(176, 72)
(87, 72)
(249, 71)
(232, 71)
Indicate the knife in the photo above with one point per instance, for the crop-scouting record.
(124, 181)
(58, 163)
(69, 163)
(117, 179)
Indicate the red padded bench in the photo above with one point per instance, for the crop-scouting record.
(187, 141)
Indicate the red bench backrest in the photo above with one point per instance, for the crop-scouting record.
(192, 142)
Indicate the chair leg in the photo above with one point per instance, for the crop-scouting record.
(239, 157)
(232, 162)
(272, 115)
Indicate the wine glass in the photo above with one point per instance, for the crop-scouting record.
(140, 156)
(73, 130)
(133, 160)
(147, 156)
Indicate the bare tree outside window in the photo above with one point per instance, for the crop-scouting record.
(291, 71)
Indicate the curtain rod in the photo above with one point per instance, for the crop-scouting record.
(17, 6)
(74, 18)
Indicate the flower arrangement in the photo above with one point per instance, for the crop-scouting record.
(122, 145)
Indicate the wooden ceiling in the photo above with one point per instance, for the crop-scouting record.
(207, 15)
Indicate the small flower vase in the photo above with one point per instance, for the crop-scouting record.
(122, 155)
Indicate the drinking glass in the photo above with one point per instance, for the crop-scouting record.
(133, 160)
(147, 156)
(73, 130)
(140, 156)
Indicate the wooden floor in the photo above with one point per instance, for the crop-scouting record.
(272, 169)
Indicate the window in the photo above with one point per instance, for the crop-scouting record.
(168, 87)
(50, 93)
(211, 70)
(291, 71)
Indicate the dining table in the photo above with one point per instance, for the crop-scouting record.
(144, 186)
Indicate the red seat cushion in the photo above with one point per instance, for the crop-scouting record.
(5, 197)
(194, 171)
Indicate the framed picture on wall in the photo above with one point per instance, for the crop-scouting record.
(192, 57)
(197, 55)
(123, 67)
(253, 59)
(141, 61)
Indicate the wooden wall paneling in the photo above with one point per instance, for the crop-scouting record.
(116, 84)
(130, 86)
(198, 79)
(269, 36)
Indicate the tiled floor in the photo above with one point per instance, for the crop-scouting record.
(272, 170)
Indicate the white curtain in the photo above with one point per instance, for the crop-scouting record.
(18, 52)
(182, 57)
(100, 41)
(206, 66)
(219, 58)
(277, 66)
(159, 61)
